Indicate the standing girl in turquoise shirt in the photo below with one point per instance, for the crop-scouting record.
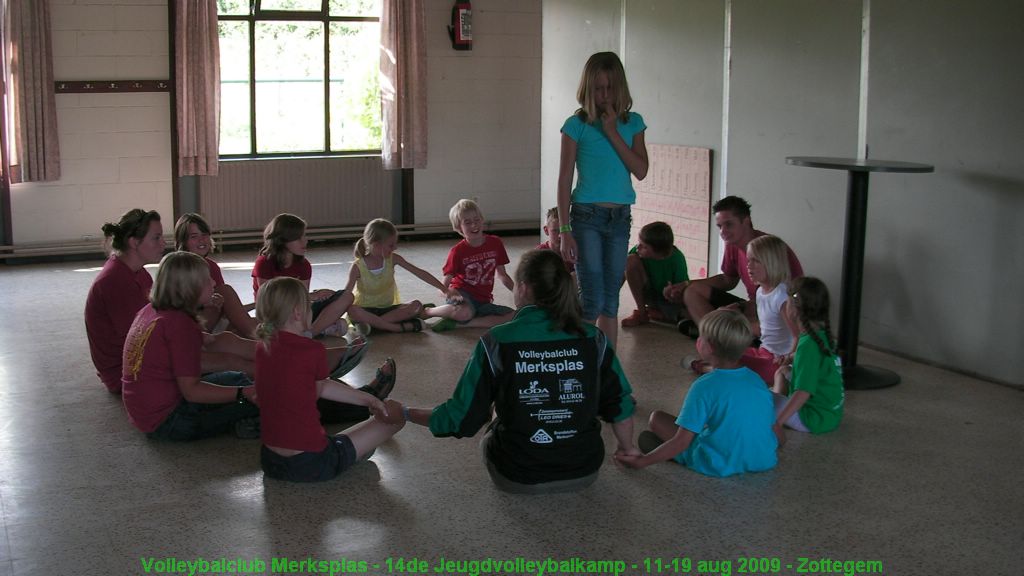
(604, 143)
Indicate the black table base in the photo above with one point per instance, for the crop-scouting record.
(856, 376)
(864, 377)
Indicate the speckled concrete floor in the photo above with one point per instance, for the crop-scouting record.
(923, 477)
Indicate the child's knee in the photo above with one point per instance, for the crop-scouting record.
(657, 417)
(462, 313)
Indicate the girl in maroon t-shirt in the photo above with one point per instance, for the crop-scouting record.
(291, 376)
(192, 234)
(121, 289)
(165, 392)
(284, 254)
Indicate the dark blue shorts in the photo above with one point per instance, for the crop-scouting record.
(318, 306)
(338, 456)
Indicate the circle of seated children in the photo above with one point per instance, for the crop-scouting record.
(121, 289)
(732, 217)
(547, 328)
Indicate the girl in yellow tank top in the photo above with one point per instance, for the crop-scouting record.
(372, 280)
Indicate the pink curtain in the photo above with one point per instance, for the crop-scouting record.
(35, 151)
(197, 73)
(403, 84)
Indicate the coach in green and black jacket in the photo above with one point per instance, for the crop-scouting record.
(548, 389)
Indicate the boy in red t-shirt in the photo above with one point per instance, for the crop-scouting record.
(551, 226)
(470, 269)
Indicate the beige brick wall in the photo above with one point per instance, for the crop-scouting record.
(115, 148)
(484, 113)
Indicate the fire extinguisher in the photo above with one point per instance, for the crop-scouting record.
(461, 29)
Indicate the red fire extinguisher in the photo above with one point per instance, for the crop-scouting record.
(461, 29)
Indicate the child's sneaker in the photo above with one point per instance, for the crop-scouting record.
(655, 315)
(411, 325)
(637, 318)
(359, 329)
(444, 325)
(687, 327)
(248, 428)
(338, 330)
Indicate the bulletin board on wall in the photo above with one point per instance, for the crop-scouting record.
(677, 191)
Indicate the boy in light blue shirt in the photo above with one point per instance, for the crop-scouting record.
(725, 426)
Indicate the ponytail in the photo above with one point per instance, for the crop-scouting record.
(275, 302)
(377, 230)
(360, 249)
(133, 224)
(552, 288)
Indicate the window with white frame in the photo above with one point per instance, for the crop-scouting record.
(299, 77)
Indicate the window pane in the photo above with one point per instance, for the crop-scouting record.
(289, 87)
(234, 88)
(355, 90)
(308, 5)
(355, 8)
(233, 7)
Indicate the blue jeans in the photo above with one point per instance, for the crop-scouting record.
(602, 244)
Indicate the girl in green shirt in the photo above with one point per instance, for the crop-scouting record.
(809, 393)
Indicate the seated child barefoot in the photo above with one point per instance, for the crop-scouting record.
(725, 426)
(653, 265)
(372, 280)
(470, 269)
(553, 242)
(814, 381)
(291, 375)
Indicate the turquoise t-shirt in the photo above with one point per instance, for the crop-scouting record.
(731, 412)
(602, 176)
(820, 376)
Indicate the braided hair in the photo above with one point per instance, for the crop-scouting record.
(809, 296)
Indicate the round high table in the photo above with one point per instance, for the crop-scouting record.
(856, 376)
